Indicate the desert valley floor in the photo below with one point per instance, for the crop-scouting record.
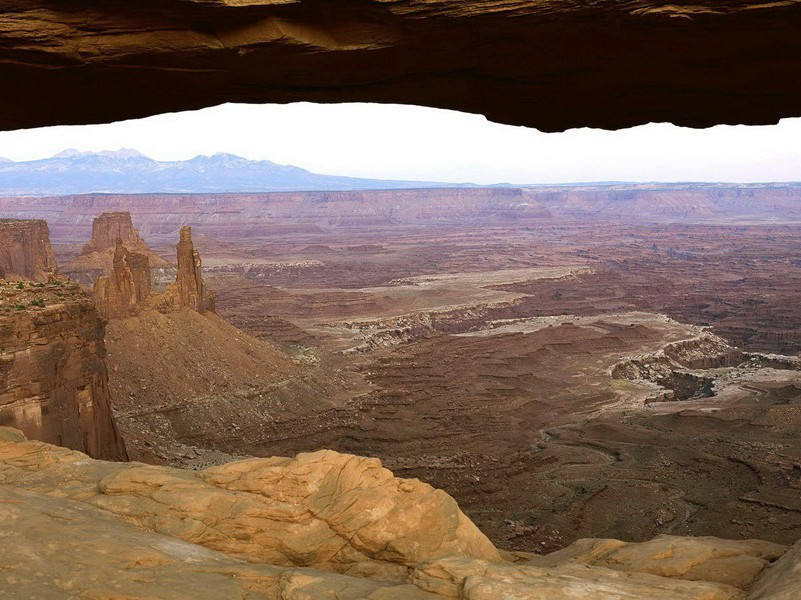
(521, 367)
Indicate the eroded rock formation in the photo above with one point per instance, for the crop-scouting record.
(321, 525)
(53, 380)
(550, 65)
(127, 288)
(25, 250)
(188, 290)
(108, 231)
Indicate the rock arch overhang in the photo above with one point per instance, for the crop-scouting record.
(549, 64)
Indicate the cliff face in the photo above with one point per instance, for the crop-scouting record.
(53, 379)
(244, 216)
(188, 290)
(126, 289)
(25, 250)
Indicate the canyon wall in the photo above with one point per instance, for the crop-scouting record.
(53, 379)
(242, 216)
(25, 250)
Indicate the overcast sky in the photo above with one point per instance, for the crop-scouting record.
(410, 142)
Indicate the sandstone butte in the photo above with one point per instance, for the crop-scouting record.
(320, 525)
(107, 230)
(126, 290)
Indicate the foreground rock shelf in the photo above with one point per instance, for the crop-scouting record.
(550, 65)
(320, 525)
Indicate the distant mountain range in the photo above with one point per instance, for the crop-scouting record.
(130, 172)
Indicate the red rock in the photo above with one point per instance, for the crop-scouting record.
(107, 229)
(188, 289)
(126, 289)
(25, 250)
(53, 379)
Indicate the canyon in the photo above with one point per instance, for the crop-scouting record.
(542, 392)
(238, 216)
(563, 379)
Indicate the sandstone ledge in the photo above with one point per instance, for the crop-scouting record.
(320, 525)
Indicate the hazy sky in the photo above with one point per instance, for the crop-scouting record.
(410, 142)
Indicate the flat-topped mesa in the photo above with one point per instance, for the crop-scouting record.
(53, 378)
(25, 250)
(126, 289)
(188, 290)
(107, 229)
(110, 227)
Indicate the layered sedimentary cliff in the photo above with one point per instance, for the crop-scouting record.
(248, 216)
(25, 250)
(321, 525)
(127, 288)
(53, 380)
(109, 229)
(550, 65)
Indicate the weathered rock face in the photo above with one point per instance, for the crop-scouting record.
(733, 562)
(127, 288)
(124, 530)
(188, 290)
(550, 65)
(107, 230)
(341, 512)
(53, 380)
(25, 250)
(110, 227)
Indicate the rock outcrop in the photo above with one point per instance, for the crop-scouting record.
(188, 290)
(109, 229)
(550, 65)
(53, 379)
(321, 525)
(25, 250)
(127, 288)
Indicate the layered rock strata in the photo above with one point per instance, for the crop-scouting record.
(25, 250)
(321, 525)
(549, 65)
(127, 288)
(109, 230)
(53, 379)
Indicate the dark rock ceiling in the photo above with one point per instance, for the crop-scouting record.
(549, 64)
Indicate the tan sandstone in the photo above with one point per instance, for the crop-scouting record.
(281, 528)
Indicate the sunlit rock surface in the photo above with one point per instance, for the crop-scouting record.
(321, 525)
